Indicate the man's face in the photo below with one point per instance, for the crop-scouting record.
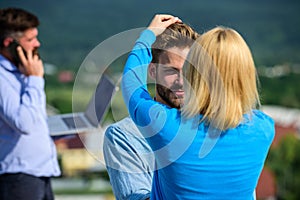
(29, 40)
(169, 80)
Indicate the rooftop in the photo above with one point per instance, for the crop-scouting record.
(285, 117)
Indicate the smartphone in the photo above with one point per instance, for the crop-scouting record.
(13, 50)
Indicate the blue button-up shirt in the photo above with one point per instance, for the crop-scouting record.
(25, 142)
(129, 161)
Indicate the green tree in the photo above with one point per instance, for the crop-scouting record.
(284, 161)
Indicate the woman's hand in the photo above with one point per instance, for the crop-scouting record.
(161, 21)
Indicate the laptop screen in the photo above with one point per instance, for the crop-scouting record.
(74, 122)
(100, 101)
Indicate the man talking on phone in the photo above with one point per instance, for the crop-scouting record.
(27, 153)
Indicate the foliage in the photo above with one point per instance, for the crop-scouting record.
(71, 29)
(284, 161)
(282, 91)
(59, 95)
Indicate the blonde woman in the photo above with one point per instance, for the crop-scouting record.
(216, 145)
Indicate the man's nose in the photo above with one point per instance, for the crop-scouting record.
(37, 43)
(180, 78)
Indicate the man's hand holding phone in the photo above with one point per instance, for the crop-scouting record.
(31, 64)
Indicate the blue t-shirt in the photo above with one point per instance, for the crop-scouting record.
(191, 164)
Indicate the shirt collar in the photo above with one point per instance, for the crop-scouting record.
(6, 64)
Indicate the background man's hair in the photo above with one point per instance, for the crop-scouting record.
(14, 20)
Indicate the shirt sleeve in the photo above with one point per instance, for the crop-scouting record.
(128, 162)
(153, 119)
(22, 102)
(134, 81)
(135, 72)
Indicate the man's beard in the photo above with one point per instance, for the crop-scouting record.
(169, 97)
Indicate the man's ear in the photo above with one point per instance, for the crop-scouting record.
(152, 71)
(7, 41)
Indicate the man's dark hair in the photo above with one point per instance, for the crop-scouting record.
(13, 20)
(176, 35)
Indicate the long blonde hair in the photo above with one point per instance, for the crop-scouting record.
(220, 79)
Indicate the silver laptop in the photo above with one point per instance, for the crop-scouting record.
(73, 123)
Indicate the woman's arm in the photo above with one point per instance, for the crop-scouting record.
(136, 96)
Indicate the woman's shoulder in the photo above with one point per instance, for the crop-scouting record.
(260, 115)
(259, 122)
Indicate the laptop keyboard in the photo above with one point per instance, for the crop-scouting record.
(74, 122)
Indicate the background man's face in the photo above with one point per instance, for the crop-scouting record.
(29, 40)
(169, 80)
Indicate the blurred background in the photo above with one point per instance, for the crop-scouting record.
(69, 30)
